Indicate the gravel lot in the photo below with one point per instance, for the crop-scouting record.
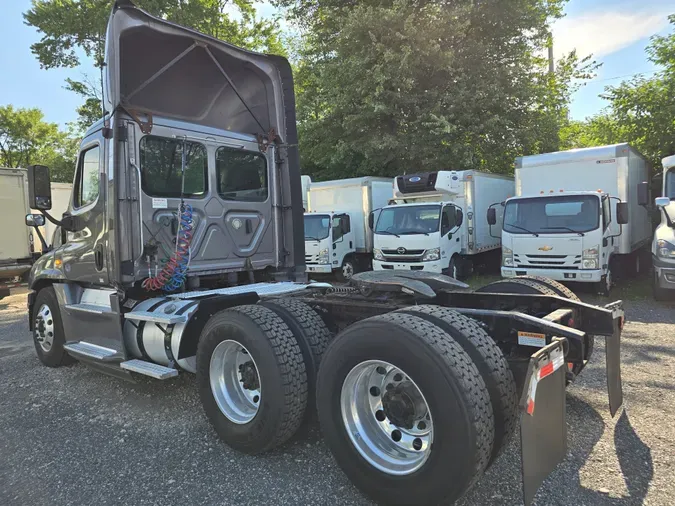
(74, 436)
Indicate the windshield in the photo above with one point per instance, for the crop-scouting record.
(409, 220)
(670, 184)
(552, 215)
(316, 226)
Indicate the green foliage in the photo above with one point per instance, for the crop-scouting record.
(25, 139)
(386, 87)
(641, 110)
(72, 27)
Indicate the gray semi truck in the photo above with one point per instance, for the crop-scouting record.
(182, 251)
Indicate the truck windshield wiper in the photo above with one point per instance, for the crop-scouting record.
(416, 232)
(387, 232)
(312, 238)
(522, 228)
(564, 228)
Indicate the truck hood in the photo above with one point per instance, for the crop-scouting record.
(314, 247)
(549, 245)
(155, 67)
(409, 242)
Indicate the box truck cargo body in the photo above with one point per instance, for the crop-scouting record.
(663, 245)
(565, 221)
(16, 246)
(337, 236)
(436, 221)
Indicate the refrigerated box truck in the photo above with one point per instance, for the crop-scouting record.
(578, 215)
(436, 222)
(337, 236)
(663, 245)
(17, 244)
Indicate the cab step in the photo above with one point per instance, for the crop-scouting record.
(156, 371)
(89, 308)
(91, 351)
(148, 316)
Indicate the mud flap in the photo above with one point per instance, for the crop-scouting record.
(613, 356)
(543, 429)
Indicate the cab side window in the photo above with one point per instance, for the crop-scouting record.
(606, 213)
(448, 219)
(87, 179)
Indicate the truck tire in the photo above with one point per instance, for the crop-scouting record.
(251, 378)
(312, 336)
(489, 361)
(517, 286)
(48, 336)
(660, 294)
(379, 379)
(453, 268)
(346, 271)
(556, 286)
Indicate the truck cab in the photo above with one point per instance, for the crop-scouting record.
(663, 246)
(566, 236)
(329, 241)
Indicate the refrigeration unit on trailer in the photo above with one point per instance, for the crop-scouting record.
(337, 236)
(663, 245)
(577, 215)
(436, 224)
(184, 253)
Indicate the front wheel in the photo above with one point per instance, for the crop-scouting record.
(346, 272)
(48, 336)
(660, 294)
(604, 287)
(404, 410)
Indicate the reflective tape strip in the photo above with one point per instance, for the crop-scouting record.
(555, 362)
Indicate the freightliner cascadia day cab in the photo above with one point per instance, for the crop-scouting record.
(663, 246)
(577, 215)
(183, 252)
(436, 222)
(337, 236)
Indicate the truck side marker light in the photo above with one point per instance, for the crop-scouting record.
(554, 362)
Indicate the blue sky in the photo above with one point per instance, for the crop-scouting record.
(616, 32)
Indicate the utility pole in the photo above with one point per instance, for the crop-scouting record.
(551, 62)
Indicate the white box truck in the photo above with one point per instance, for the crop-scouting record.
(17, 244)
(578, 215)
(663, 246)
(436, 221)
(337, 236)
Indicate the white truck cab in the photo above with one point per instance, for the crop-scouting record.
(663, 246)
(431, 223)
(576, 214)
(329, 240)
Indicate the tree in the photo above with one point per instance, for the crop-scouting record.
(641, 110)
(393, 86)
(71, 25)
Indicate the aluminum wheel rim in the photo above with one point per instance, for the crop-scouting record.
(347, 270)
(385, 444)
(44, 327)
(236, 398)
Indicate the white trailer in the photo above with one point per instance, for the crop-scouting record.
(663, 245)
(16, 246)
(435, 222)
(337, 236)
(578, 215)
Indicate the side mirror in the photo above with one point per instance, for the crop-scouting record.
(662, 201)
(39, 188)
(371, 220)
(622, 213)
(492, 216)
(643, 193)
(35, 220)
(459, 217)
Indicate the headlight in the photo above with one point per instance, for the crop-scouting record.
(665, 249)
(507, 256)
(432, 254)
(590, 258)
(377, 254)
(323, 256)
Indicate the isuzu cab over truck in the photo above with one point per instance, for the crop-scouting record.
(577, 215)
(435, 222)
(337, 236)
(183, 253)
(663, 246)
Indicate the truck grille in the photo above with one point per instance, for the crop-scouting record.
(311, 259)
(548, 261)
(409, 252)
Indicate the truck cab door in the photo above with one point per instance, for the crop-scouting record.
(451, 241)
(343, 239)
(83, 255)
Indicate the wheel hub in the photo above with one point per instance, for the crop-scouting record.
(249, 376)
(44, 328)
(403, 405)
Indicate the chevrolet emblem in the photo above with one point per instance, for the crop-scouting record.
(546, 248)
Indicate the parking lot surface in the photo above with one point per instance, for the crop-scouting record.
(74, 436)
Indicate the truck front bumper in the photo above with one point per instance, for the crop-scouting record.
(665, 273)
(319, 269)
(584, 276)
(436, 266)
